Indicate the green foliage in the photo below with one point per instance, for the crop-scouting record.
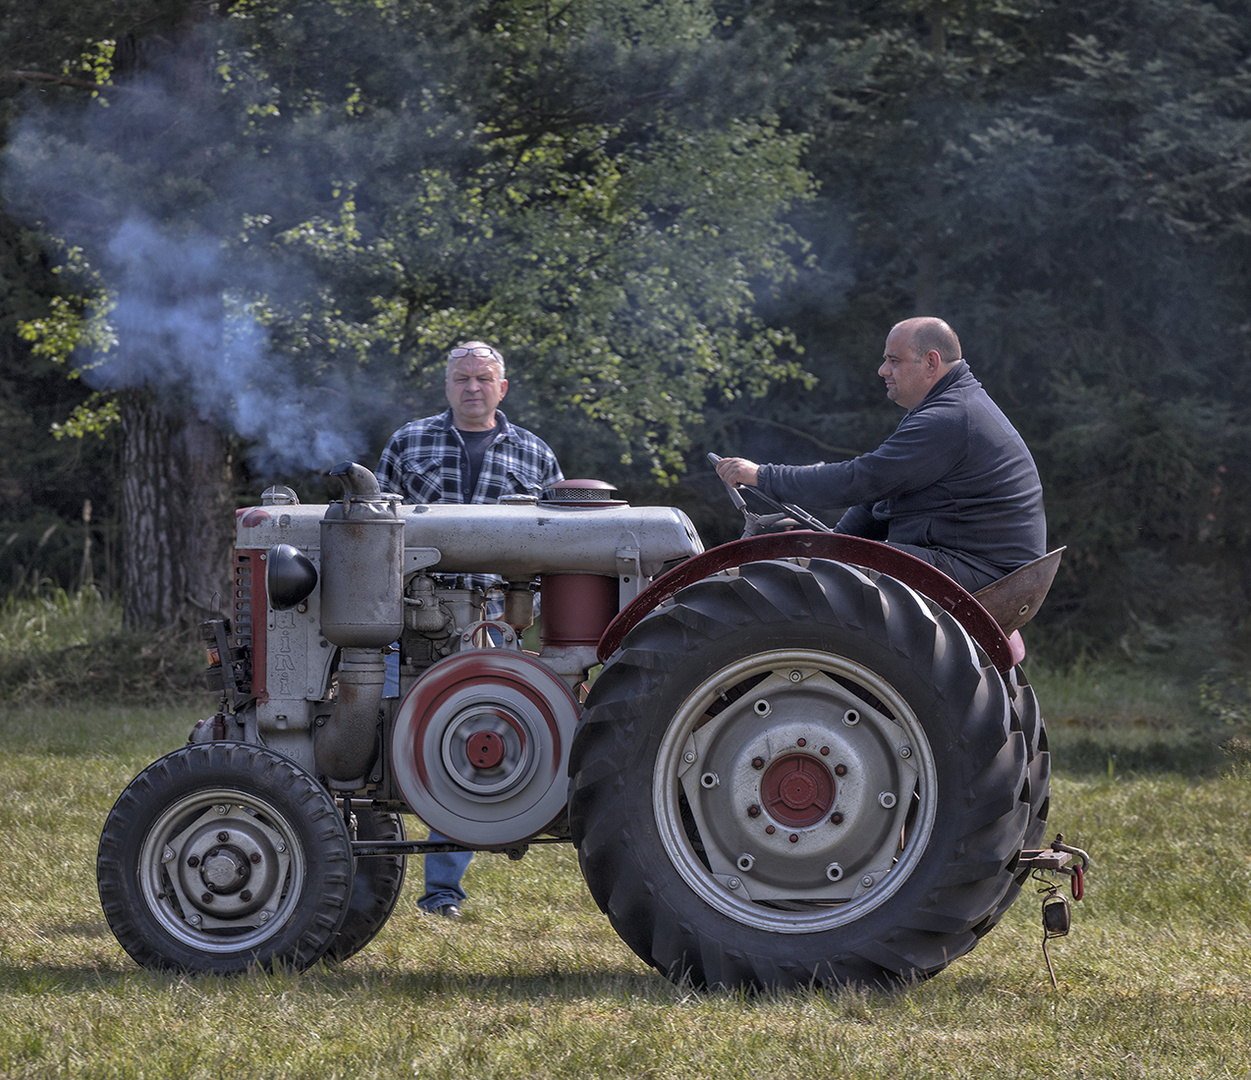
(57, 646)
(1066, 185)
(658, 209)
(1228, 701)
(599, 192)
(46, 486)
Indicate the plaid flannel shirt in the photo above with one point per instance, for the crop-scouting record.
(426, 462)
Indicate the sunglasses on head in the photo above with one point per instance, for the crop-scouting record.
(477, 350)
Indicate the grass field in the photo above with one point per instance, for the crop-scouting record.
(1154, 981)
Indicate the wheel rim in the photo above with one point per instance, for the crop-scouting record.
(795, 791)
(222, 870)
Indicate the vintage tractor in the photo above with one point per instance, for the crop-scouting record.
(806, 759)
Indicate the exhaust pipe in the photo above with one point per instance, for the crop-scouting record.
(362, 611)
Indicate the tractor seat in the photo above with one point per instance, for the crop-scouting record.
(1015, 599)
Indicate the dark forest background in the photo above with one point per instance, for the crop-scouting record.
(237, 238)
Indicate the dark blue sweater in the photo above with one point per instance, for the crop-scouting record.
(954, 476)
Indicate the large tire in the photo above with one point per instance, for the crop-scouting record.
(1027, 717)
(798, 775)
(223, 856)
(376, 884)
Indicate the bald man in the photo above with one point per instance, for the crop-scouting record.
(954, 485)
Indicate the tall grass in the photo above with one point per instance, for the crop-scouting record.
(60, 646)
(1154, 981)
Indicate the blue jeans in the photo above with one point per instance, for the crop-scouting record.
(443, 873)
(445, 869)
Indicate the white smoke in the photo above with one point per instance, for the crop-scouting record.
(129, 185)
(188, 336)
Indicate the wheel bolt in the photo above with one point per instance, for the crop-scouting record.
(796, 676)
(866, 881)
(794, 838)
(255, 857)
(689, 756)
(193, 860)
(207, 897)
(840, 769)
(223, 837)
(825, 751)
(905, 752)
(770, 829)
(802, 742)
(836, 818)
(753, 810)
(246, 895)
(757, 763)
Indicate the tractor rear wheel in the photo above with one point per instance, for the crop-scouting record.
(791, 775)
(1029, 716)
(222, 856)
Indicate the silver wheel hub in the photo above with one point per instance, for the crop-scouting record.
(811, 786)
(221, 870)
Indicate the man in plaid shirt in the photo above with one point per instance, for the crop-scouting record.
(468, 454)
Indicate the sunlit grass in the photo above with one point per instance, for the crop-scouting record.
(1154, 981)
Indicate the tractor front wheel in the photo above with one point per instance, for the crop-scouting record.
(221, 856)
(376, 884)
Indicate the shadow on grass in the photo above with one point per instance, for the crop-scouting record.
(70, 980)
(349, 980)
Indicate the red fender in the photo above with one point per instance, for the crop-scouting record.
(928, 580)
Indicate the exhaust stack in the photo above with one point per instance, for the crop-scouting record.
(362, 611)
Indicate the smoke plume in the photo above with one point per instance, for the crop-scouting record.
(152, 191)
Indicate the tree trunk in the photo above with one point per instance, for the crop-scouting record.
(177, 519)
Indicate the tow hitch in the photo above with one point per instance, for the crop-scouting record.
(1043, 865)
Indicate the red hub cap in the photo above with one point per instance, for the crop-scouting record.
(485, 749)
(797, 790)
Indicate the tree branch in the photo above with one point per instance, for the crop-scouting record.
(60, 80)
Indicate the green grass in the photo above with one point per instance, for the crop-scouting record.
(1154, 981)
(1119, 719)
(59, 646)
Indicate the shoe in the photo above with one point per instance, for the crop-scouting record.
(448, 911)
